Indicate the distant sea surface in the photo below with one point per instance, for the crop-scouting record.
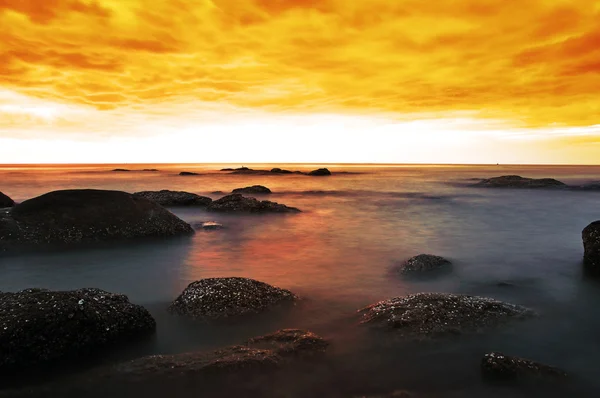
(517, 245)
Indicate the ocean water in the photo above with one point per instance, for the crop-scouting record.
(521, 246)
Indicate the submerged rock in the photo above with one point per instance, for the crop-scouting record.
(254, 189)
(215, 298)
(174, 198)
(320, 172)
(514, 181)
(424, 263)
(83, 216)
(429, 314)
(40, 326)
(188, 173)
(498, 366)
(238, 203)
(5, 201)
(591, 246)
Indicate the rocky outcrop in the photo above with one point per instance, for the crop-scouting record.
(320, 172)
(497, 366)
(188, 173)
(424, 263)
(174, 198)
(430, 314)
(591, 247)
(72, 217)
(38, 327)
(254, 189)
(238, 203)
(215, 298)
(514, 181)
(5, 201)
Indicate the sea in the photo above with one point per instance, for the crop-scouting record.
(339, 255)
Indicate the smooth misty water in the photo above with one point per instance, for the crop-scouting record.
(339, 254)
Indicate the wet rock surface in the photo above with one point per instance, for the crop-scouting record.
(174, 198)
(238, 203)
(215, 298)
(211, 225)
(424, 263)
(5, 201)
(432, 314)
(514, 181)
(320, 172)
(38, 326)
(254, 189)
(591, 247)
(497, 366)
(71, 217)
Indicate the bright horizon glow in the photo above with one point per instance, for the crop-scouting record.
(300, 81)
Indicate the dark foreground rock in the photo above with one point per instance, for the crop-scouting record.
(320, 172)
(514, 181)
(424, 263)
(254, 189)
(430, 314)
(215, 298)
(71, 217)
(188, 173)
(238, 203)
(5, 201)
(39, 326)
(174, 198)
(497, 366)
(591, 247)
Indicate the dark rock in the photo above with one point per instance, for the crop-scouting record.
(277, 170)
(513, 181)
(591, 247)
(497, 366)
(594, 186)
(5, 201)
(238, 203)
(424, 263)
(254, 189)
(320, 172)
(84, 216)
(211, 225)
(215, 298)
(121, 170)
(174, 198)
(217, 192)
(188, 173)
(227, 169)
(39, 326)
(429, 314)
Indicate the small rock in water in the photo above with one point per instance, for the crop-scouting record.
(121, 170)
(514, 181)
(591, 247)
(188, 173)
(497, 366)
(424, 263)
(320, 172)
(211, 225)
(238, 203)
(254, 189)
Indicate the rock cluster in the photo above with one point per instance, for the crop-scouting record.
(238, 203)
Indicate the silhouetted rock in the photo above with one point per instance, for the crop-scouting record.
(174, 198)
(227, 169)
(214, 298)
(238, 203)
(5, 201)
(429, 314)
(591, 247)
(277, 170)
(120, 170)
(497, 366)
(38, 326)
(424, 263)
(594, 186)
(513, 181)
(81, 216)
(217, 192)
(254, 189)
(188, 173)
(320, 172)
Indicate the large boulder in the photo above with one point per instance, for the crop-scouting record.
(424, 263)
(591, 246)
(514, 181)
(238, 203)
(5, 201)
(497, 366)
(215, 298)
(38, 327)
(429, 314)
(254, 189)
(320, 172)
(174, 198)
(71, 217)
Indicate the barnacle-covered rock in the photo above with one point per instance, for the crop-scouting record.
(424, 263)
(214, 298)
(497, 366)
(174, 198)
(428, 314)
(40, 326)
(238, 203)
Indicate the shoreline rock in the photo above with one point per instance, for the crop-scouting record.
(424, 264)
(254, 189)
(6, 201)
(497, 366)
(215, 298)
(174, 198)
(515, 181)
(39, 327)
(591, 247)
(238, 203)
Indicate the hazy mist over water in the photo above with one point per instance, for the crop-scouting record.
(518, 245)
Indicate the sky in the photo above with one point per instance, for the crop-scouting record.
(372, 81)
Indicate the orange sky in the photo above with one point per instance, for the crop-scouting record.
(449, 81)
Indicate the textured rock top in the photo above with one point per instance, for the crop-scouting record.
(238, 203)
(424, 263)
(174, 198)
